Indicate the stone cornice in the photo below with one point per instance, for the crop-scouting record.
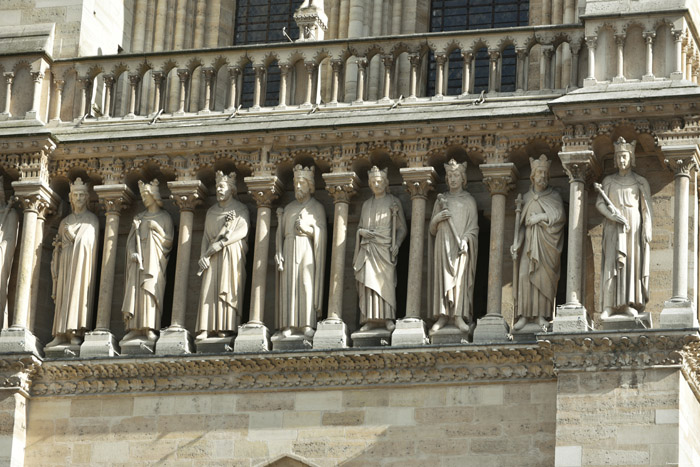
(17, 372)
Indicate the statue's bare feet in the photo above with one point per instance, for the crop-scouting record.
(202, 335)
(225, 333)
(542, 322)
(286, 332)
(76, 339)
(629, 311)
(308, 331)
(131, 335)
(368, 326)
(439, 324)
(151, 335)
(462, 325)
(59, 339)
(390, 326)
(606, 313)
(520, 324)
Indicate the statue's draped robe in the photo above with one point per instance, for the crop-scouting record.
(9, 223)
(300, 283)
(221, 298)
(74, 270)
(540, 260)
(143, 296)
(625, 253)
(451, 274)
(375, 270)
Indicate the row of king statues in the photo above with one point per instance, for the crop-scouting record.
(300, 249)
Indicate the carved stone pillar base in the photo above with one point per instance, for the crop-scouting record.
(450, 334)
(252, 338)
(587, 82)
(294, 341)
(31, 115)
(99, 344)
(409, 331)
(379, 337)
(215, 345)
(20, 340)
(571, 318)
(63, 351)
(680, 314)
(138, 347)
(491, 328)
(677, 75)
(619, 322)
(174, 340)
(331, 334)
(648, 78)
(528, 333)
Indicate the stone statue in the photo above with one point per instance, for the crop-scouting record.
(73, 269)
(625, 201)
(538, 248)
(381, 230)
(222, 262)
(301, 259)
(452, 247)
(147, 247)
(9, 223)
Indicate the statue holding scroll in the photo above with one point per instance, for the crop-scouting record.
(537, 247)
(300, 259)
(73, 269)
(452, 252)
(9, 223)
(381, 230)
(147, 248)
(625, 201)
(222, 262)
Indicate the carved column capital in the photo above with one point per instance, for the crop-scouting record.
(37, 76)
(134, 79)
(208, 72)
(591, 41)
(84, 81)
(418, 180)
(580, 166)
(499, 178)
(649, 36)
(681, 160)
(387, 60)
(183, 74)
(337, 65)
(677, 35)
(35, 196)
(234, 71)
(264, 189)
(9, 76)
(114, 198)
(362, 63)
(158, 77)
(187, 194)
(414, 59)
(548, 51)
(620, 39)
(341, 185)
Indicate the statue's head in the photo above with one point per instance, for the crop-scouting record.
(79, 195)
(303, 181)
(539, 172)
(624, 154)
(150, 191)
(378, 180)
(456, 173)
(225, 185)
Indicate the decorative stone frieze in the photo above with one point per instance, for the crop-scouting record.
(17, 372)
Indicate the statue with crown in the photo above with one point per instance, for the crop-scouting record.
(147, 249)
(536, 251)
(452, 253)
(624, 199)
(9, 224)
(74, 270)
(301, 260)
(222, 265)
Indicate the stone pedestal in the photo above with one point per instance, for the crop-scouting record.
(571, 318)
(252, 338)
(215, 345)
(138, 347)
(174, 341)
(99, 344)
(678, 314)
(63, 351)
(449, 334)
(291, 342)
(409, 331)
(528, 333)
(379, 337)
(331, 334)
(20, 340)
(620, 322)
(491, 329)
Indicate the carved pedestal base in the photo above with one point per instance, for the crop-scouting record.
(449, 334)
(215, 345)
(379, 337)
(571, 318)
(291, 342)
(491, 328)
(409, 331)
(252, 338)
(618, 322)
(174, 341)
(63, 351)
(331, 334)
(137, 346)
(19, 340)
(678, 315)
(99, 344)
(528, 332)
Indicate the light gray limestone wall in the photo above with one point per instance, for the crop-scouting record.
(689, 426)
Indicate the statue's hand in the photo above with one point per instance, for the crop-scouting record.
(367, 233)
(279, 260)
(442, 215)
(513, 252)
(301, 230)
(394, 251)
(135, 258)
(204, 263)
(463, 247)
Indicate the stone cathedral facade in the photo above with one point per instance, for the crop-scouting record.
(349, 232)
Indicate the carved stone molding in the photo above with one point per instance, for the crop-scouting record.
(341, 185)
(17, 372)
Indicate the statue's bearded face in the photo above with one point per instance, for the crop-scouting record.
(540, 178)
(624, 159)
(223, 191)
(377, 184)
(78, 199)
(301, 188)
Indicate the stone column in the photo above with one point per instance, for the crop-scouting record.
(336, 66)
(591, 42)
(33, 113)
(233, 72)
(520, 70)
(109, 90)
(309, 66)
(36, 266)
(83, 82)
(184, 75)
(35, 197)
(677, 34)
(257, 88)
(679, 311)
(411, 330)
(649, 37)
(500, 179)
(9, 76)
(158, 80)
(440, 60)
(494, 55)
(133, 83)
(159, 26)
(361, 67)
(573, 79)
(208, 73)
(572, 316)
(414, 60)
(101, 342)
(332, 333)
(57, 100)
(176, 340)
(547, 54)
(254, 336)
(620, 43)
(388, 61)
(284, 74)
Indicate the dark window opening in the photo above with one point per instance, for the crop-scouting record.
(262, 21)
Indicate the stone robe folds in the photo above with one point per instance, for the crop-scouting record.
(451, 274)
(625, 253)
(9, 223)
(300, 283)
(538, 272)
(74, 267)
(375, 270)
(223, 281)
(143, 297)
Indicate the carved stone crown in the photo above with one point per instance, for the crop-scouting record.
(454, 166)
(78, 185)
(152, 189)
(304, 172)
(540, 162)
(230, 178)
(376, 172)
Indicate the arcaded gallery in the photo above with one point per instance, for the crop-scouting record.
(349, 232)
